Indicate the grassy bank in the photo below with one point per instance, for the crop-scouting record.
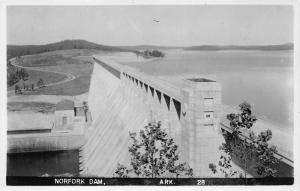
(75, 62)
(80, 69)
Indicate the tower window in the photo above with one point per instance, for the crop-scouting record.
(208, 101)
(208, 115)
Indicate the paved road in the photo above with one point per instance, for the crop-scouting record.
(69, 77)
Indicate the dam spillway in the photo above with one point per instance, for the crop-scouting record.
(123, 100)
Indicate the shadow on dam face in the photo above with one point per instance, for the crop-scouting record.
(177, 105)
(167, 100)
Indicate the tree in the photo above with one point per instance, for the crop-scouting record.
(153, 53)
(156, 53)
(243, 120)
(147, 53)
(238, 123)
(153, 155)
(85, 109)
(32, 87)
(17, 89)
(40, 83)
(121, 171)
(225, 167)
(25, 74)
(265, 153)
(11, 78)
(246, 147)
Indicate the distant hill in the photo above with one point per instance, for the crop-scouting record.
(287, 46)
(20, 50)
(150, 47)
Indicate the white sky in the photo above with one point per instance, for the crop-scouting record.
(133, 25)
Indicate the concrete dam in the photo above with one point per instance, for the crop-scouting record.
(123, 100)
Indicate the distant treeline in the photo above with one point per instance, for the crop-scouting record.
(16, 50)
(29, 87)
(152, 53)
(287, 46)
(21, 50)
(151, 47)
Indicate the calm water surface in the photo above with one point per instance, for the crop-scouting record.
(263, 78)
(41, 163)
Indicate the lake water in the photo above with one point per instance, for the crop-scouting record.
(41, 163)
(262, 78)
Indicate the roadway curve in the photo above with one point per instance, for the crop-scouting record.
(69, 76)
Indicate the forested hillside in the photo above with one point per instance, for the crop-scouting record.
(20, 50)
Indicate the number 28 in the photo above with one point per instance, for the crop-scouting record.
(201, 182)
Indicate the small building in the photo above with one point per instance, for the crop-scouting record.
(64, 115)
(79, 109)
(70, 116)
(79, 117)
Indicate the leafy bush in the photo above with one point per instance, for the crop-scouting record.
(153, 155)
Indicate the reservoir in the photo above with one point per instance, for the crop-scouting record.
(43, 163)
(262, 78)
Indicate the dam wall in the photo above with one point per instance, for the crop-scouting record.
(113, 117)
(123, 100)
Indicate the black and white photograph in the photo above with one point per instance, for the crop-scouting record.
(149, 94)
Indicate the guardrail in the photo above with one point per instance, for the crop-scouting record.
(162, 89)
(278, 155)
